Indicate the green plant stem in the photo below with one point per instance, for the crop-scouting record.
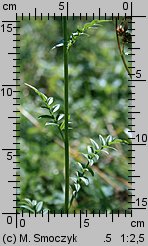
(121, 53)
(66, 115)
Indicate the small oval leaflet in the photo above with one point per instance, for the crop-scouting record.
(39, 206)
(60, 117)
(51, 124)
(55, 108)
(50, 100)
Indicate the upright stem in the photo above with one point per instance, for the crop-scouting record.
(121, 52)
(66, 115)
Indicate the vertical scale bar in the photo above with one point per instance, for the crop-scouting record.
(130, 105)
(17, 124)
(66, 115)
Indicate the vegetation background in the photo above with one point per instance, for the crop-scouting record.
(98, 104)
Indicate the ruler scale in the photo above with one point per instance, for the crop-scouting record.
(128, 227)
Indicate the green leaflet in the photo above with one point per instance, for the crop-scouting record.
(51, 124)
(55, 108)
(94, 143)
(40, 94)
(50, 100)
(45, 116)
(32, 206)
(116, 140)
(102, 140)
(85, 180)
(39, 207)
(82, 31)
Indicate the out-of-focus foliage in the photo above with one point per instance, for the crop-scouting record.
(33, 206)
(98, 104)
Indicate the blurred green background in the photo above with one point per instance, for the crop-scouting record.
(98, 104)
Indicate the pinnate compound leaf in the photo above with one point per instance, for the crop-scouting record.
(82, 31)
(116, 140)
(40, 94)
